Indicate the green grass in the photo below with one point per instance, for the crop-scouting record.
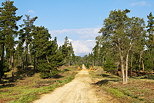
(148, 76)
(115, 92)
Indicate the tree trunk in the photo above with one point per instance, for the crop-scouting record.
(94, 62)
(34, 62)
(126, 71)
(2, 63)
(140, 61)
(22, 63)
(131, 66)
(26, 63)
(143, 68)
(126, 64)
(12, 66)
(47, 59)
(122, 69)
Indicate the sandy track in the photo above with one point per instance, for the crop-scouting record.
(77, 91)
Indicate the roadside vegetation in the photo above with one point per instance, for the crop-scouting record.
(138, 90)
(28, 89)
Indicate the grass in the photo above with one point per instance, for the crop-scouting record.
(32, 94)
(138, 90)
(115, 92)
(148, 76)
(30, 88)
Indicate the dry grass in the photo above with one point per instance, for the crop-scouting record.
(29, 88)
(136, 91)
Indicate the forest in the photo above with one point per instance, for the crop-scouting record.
(27, 49)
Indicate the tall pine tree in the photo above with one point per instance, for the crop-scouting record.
(26, 36)
(8, 32)
(150, 41)
(68, 53)
(47, 55)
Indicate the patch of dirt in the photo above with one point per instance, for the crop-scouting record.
(5, 100)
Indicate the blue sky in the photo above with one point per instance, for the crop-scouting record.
(80, 20)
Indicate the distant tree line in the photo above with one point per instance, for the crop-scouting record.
(29, 48)
(126, 43)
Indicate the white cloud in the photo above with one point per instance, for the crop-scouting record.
(140, 3)
(85, 33)
(31, 11)
(70, 39)
(83, 47)
(83, 40)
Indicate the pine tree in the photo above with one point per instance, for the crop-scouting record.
(68, 53)
(38, 49)
(96, 51)
(65, 48)
(20, 55)
(26, 36)
(55, 56)
(123, 34)
(8, 31)
(150, 41)
(46, 52)
(71, 54)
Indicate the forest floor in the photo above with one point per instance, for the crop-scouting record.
(80, 90)
(138, 90)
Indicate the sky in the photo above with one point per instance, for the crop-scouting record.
(80, 20)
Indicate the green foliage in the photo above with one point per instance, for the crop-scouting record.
(25, 37)
(124, 44)
(46, 70)
(34, 47)
(46, 52)
(150, 42)
(8, 32)
(68, 53)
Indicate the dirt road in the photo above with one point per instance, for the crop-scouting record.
(77, 91)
